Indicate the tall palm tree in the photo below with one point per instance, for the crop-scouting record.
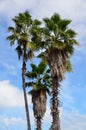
(40, 81)
(20, 35)
(58, 42)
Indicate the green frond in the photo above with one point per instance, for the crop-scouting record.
(46, 31)
(16, 20)
(19, 51)
(69, 49)
(73, 42)
(12, 39)
(29, 84)
(23, 20)
(36, 22)
(30, 54)
(59, 44)
(12, 42)
(48, 71)
(34, 68)
(21, 16)
(27, 14)
(70, 33)
(31, 75)
(28, 18)
(24, 37)
(42, 56)
(68, 66)
(41, 67)
(11, 29)
(31, 45)
(39, 87)
(46, 20)
(47, 79)
(63, 24)
(49, 24)
(56, 18)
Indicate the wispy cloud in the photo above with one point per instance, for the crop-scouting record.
(10, 96)
(73, 120)
(72, 9)
(16, 123)
(12, 120)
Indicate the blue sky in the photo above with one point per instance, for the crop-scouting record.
(73, 88)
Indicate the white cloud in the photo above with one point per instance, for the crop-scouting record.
(10, 8)
(10, 96)
(13, 121)
(16, 123)
(73, 121)
(72, 9)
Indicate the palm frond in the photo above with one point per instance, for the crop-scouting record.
(34, 68)
(31, 45)
(11, 29)
(68, 66)
(69, 49)
(11, 37)
(58, 44)
(36, 22)
(63, 24)
(70, 33)
(19, 51)
(30, 54)
(73, 42)
(29, 84)
(41, 67)
(49, 24)
(31, 75)
(56, 18)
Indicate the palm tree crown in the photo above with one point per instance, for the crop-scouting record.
(40, 81)
(58, 42)
(20, 34)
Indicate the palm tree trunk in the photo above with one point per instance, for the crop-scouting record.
(53, 60)
(55, 104)
(38, 123)
(25, 96)
(24, 91)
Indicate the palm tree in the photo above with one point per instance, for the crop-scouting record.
(40, 81)
(58, 42)
(20, 35)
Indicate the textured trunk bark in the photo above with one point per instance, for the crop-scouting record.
(39, 106)
(38, 123)
(55, 105)
(54, 60)
(24, 91)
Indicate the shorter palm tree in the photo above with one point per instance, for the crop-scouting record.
(40, 81)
